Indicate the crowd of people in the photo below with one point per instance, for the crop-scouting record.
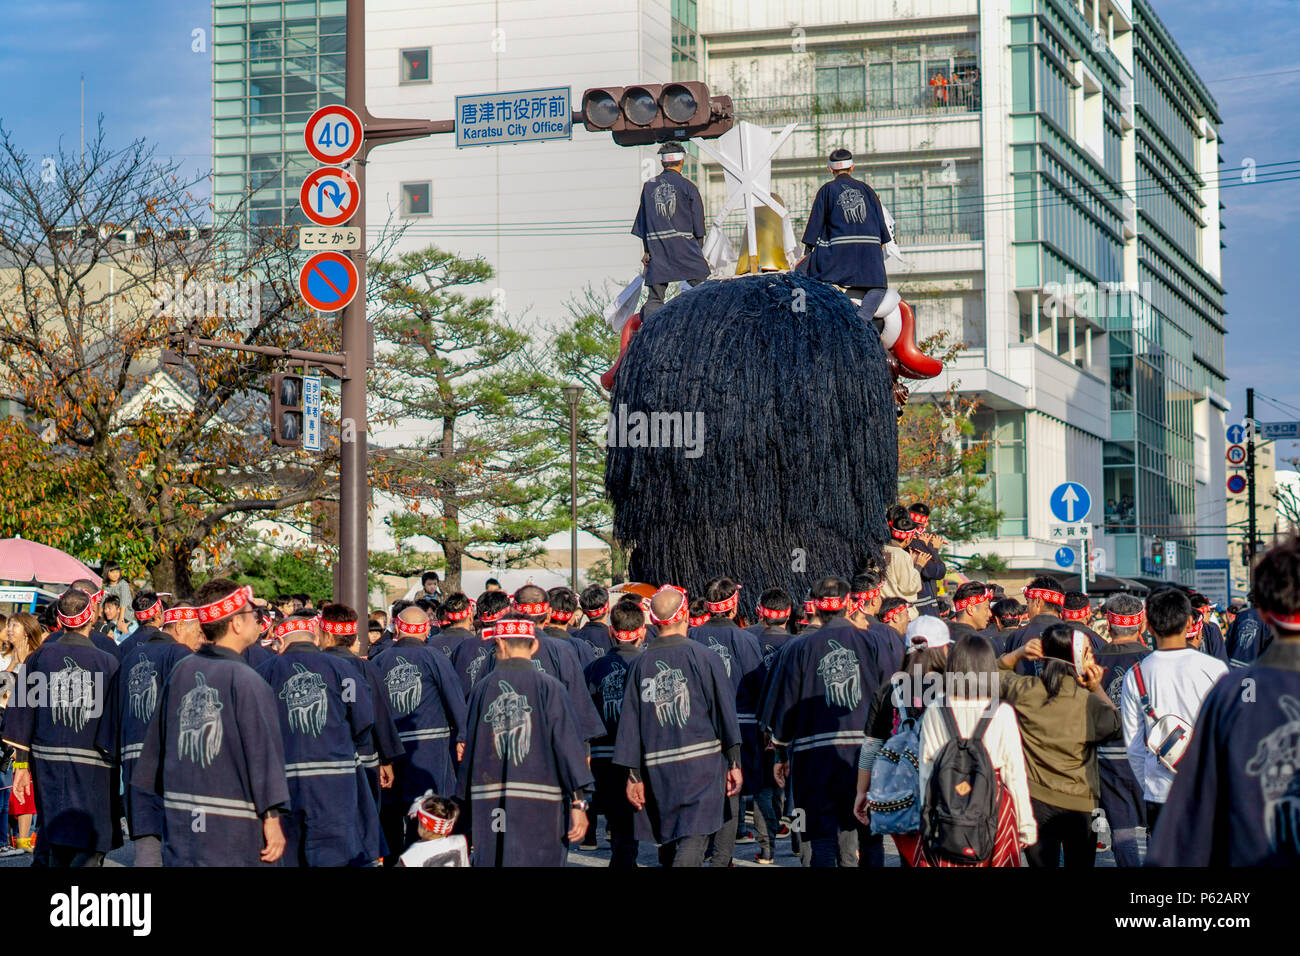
(977, 728)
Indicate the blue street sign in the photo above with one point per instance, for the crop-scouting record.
(1065, 557)
(1070, 502)
(1271, 431)
(311, 413)
(522, 116)
(1236, 434)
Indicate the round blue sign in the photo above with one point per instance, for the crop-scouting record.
(1237, 484)
(1236, 434)
(1065, 557)
(1070, 502)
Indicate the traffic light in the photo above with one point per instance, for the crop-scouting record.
(656, 112)
(286, 410)
(1158, 553)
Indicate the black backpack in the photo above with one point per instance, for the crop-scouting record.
(960, 819)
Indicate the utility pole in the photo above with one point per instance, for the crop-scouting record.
(1250, 480)
(573, 394)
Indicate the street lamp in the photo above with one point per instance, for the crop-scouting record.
(572, 393)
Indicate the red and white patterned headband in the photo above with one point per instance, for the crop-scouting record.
(725, 605)
(1075, 614)
(700, 621)
(682, 612)
(809, 606)
(533, 610)
(1286, 622)
(72, 622)
(1123, 620)
(492, 618)
(175, 615)
(285, 628)
(340, 628)
(487, 633)
(1195, 628)
(149, 613)
(767, 614)
(407, 629)
(515, 629)
(440, 826)
(597, 611)
(831, 603)
(224, 608)
(459, 615)
(893, 613)
(561, 617)
(1044, 594)
(626, 637)
(962, 603)
(900, 535)
(921, 520)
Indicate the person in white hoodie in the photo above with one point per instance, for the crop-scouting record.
(1176, 677)
(971, 682)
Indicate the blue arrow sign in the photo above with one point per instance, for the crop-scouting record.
(1070, 502)
(1065, 557)
(1236, 434)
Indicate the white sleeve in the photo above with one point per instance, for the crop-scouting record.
(1134, 728)
(934, 734)
(1009, 760)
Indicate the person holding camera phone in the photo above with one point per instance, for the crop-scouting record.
(1162, 696)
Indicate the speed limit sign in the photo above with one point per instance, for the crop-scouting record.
(1236, 455)
(333, 134)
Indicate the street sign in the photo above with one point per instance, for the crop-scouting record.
(333, 135)
(1236, 455)
(1065, 557)
(311, 413)
(521, 116)
(318, 238)
(329, 196)
(1237, 484)
(328, 281)
(1236, 434)
(1272, 431)
(1070, 502)
(1069, 532)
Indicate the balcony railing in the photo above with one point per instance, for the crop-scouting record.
(956, 97)
(942, 229)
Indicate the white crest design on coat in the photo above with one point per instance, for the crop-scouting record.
(769, 655)
(142, 688)
(839, 671)
(665, 200)
(303, 694)
(722, 651)
(611, 692)
(72, 695)
(511, 718)
(596, 651)
(404, 687)
(200, 722)
(473, 667)
(1277, 764)
(1115, 689)
(853, 204)
(669, 693)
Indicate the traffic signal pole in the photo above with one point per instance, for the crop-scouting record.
(1250, 480)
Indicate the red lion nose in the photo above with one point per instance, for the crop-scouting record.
(912, 362)
(629, 329)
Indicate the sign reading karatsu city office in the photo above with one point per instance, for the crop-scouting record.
(521, 116)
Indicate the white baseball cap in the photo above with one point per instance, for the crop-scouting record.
(928, 630)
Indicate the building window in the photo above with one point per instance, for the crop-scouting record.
(415, 66)
(417, 199)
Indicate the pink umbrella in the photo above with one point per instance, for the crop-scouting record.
(27, 562)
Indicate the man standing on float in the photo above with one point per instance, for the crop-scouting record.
(670, 225)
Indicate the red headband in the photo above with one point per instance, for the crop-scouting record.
(596, 611)
(767, 614)
(411, 630)
(725, 605)
(628, 636)
(1044, 594)
(541, 607)
(809, 606)
(700, 621)
(285, 628)
(228, 605)
(900, 535)
(1074, 614)
(921, 520)
(487, 633)
(1195, 628)
(1287, 622)
(459, 615)
(438, 825)
(75, 621)
(515, 629)
(962, 603)
(1123, 620)
(341, 628)
(267, 621)
(561, 617)
(682, 611)
(492, 618)
(149, 613)
(175, 615)
(831, 603)
(893, 613)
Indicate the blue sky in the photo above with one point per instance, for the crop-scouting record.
(142, 74)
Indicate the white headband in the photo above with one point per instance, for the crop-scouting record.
(842, 164)
(671, 157)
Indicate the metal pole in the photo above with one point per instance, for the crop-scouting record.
(1250, 480)
(353, 480)
(573, 490)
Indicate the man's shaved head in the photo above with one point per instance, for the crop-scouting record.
(667, 603)
(413, 615)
